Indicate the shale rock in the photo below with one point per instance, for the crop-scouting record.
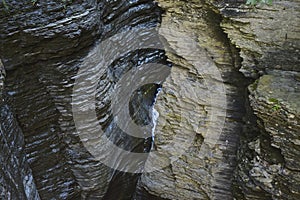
(16, 180)
(275, 168)
(43, 44)
(204, 169)
(267, 35)
(268, 39)
(203, 104)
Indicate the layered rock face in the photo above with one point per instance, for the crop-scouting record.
(43, 44)
(268, 43)
(32, 50)
(206, 121)
(16, 180)
(267, 36)
(216, 137)
(275, 167)
(268, 39)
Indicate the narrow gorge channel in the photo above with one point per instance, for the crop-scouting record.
(182, 84)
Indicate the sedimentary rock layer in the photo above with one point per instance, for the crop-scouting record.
(268, 39)
(42, 47)
(16, 180)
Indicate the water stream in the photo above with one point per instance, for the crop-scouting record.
(43, 49)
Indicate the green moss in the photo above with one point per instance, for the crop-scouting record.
(276, 107)
(273, 100)
(33, 1)
(275, 104)
(254, 85)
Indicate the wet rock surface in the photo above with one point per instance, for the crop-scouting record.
(16, 180)
(45, 43)
(32, 46)
(197, 173)
(42, 48)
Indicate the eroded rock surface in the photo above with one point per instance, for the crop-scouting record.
(268, 38)
(271, 167)
(43, 44)
(42, 47)
(267, 35)
(196, 91)
(268, 41)
(16, 180)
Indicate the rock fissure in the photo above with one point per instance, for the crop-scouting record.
(255, 157)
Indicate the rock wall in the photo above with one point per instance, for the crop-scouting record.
(36, 44)
(268, 39)
(43, 44)
(42, 47)
(196, 92)
(16, 180)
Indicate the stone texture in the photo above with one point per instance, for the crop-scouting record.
(268, 39)
(2, 78)
(268, 42)
(42, 47)
(274, 167)
(276, 102)
(204, 169)
(267, 35)
(16, 180)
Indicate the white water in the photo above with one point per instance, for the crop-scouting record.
(155, 116)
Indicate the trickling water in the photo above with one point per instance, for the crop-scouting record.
(155, 116)
(43, 47)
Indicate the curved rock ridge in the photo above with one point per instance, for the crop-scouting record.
(43, 45)
(53, 30)
(42, 49)
(16, 180)
(194, 175)
(16, 177)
